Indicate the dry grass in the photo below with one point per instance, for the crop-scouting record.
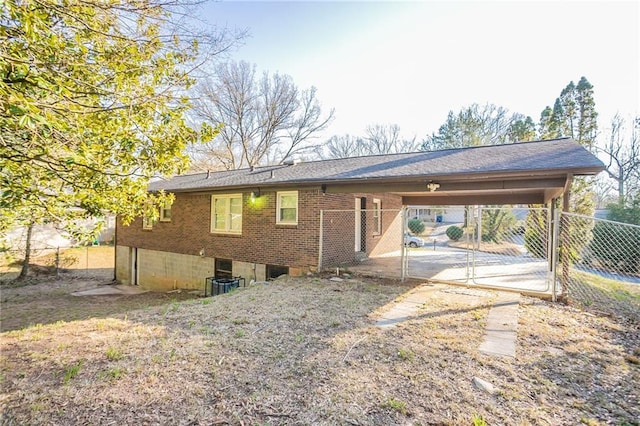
(48, 300)
(505, 248)
(306, 352)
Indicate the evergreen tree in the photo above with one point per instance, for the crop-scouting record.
(476, 125)
(522, 130)
(551, 121)
(574, 115)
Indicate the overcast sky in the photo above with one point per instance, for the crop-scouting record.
(410, 63)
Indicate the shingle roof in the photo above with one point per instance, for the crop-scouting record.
(556, 155)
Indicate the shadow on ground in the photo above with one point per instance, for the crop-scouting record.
(49, 300)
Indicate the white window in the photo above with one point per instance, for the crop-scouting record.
(287, 208)
(147, 218)
(377, 217)
(147, 222)
(165, 213)
(226, 213)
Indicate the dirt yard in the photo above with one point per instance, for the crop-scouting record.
(307, 352)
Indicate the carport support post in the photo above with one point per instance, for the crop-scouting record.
(564, 240)
(554, 232)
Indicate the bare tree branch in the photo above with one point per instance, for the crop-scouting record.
(622, 156)
(265, 119)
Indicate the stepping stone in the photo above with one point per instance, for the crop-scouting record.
(501, 331)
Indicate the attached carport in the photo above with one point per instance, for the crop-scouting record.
(528, 173)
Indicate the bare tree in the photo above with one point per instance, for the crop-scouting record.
(344, 146)
(603, 191)
(622, 156)
(378, 139)
(264, 119)
(385, 139)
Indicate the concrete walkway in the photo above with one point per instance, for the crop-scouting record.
(404, 309)
(502, 323)
(110, 290)
(500, 334)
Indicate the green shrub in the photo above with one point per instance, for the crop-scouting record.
(416, 226)
(497, 223)
(454, 232)
(535, 242)
(535, 234)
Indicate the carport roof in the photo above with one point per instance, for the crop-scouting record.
(548, 158)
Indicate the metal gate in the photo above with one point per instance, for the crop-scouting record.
(501, 247)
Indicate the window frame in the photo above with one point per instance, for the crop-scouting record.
(279, 196)
(147, 223)
(163, 212)
(377, 216)
(228, 219)
(223, 273)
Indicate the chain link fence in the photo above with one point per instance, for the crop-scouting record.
(511, 248)
(600, 264)
(501, 247)
(96, 261)
(368, 242)
(442, 258)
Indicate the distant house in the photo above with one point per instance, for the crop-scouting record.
(53, 235)
(259, 223)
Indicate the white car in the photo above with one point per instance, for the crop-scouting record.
(413, 241)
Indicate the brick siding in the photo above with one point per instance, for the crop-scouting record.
(262, 240)
(339, 227)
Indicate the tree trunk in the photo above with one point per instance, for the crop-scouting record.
(621, 197)
(27, 253)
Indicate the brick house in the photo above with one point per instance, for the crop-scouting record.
(259, 223)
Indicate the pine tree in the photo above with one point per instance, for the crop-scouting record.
(574, 115)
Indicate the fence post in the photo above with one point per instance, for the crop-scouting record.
(549, 249)
(58, 261)
(320, 242)
(471, 218)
